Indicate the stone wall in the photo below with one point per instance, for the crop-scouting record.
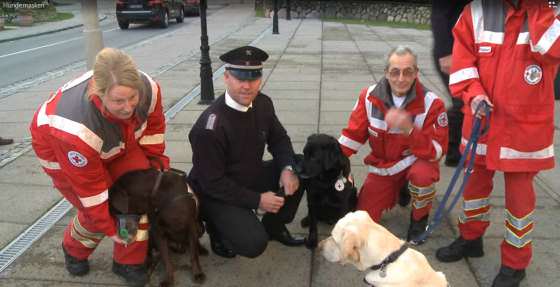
(356, 9)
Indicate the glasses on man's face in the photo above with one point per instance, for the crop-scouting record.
(406, 73)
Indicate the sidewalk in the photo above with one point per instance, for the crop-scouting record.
(314, 74)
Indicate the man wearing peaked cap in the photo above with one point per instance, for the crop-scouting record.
(228, 173)
(245, 63)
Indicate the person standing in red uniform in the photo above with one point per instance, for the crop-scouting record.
(92, 130)
(406, 127)
(506, 53)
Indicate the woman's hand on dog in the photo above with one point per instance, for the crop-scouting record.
(270, 202)
(118, 240)
(289, 181)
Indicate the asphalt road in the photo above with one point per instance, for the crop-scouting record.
(24, 59)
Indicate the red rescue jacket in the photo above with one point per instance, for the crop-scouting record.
(79, 144)
(391, 150)
(511, 55)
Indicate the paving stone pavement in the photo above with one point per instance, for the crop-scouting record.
(314, 74)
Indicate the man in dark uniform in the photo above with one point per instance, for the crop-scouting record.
(444, 16)
(228, 173)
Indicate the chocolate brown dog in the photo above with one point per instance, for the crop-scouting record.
(324, 173)
(172, 211)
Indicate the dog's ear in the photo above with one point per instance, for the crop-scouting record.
(351, 245)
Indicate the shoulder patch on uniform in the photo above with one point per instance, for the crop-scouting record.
(211, 122)
(77, 159)
(442, 120)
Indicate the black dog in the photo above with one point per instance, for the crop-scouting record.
(172, 213)
(324, 173)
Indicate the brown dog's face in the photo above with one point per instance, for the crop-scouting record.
(178, 216)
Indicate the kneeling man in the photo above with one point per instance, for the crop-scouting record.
(228, 173)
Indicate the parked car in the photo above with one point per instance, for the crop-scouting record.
(191, 7)
(149, 11)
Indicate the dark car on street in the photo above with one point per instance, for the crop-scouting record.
(191, 7)
(149, 11)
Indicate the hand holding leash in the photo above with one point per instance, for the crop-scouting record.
(270, 202)
(476, 105)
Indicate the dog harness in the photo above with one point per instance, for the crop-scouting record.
(388, 260)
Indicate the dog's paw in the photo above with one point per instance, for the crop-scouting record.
(199, 278)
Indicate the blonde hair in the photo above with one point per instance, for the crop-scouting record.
(113, 67)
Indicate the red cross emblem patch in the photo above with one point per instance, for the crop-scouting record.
(77, 159)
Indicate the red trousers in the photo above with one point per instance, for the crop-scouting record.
(520, 204)
(81, 239)
(81, 236)
(380, 193)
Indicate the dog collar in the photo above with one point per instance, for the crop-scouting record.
(389, 259)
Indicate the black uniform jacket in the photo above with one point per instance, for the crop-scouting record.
(228, 147)
(444, 16)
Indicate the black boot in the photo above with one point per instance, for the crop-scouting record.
(135, 275)
(508, 277)
(218, 245)
(416, 228)
(459, 249)
(453, 156)
(404, 195)
(74, 265)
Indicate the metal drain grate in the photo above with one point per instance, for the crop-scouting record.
(32, 233)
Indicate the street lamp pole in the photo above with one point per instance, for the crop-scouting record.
(288, 10)
(206, 83)
(275, 18)
(93, 37)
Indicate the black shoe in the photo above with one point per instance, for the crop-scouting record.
(135, 275)
(74, 265)
(284, 237)
(508, 277)
(4, 141)
(416, 228)
(459, 249)
(453, 156)
(220, 249)
(404, 195)
(218, 246)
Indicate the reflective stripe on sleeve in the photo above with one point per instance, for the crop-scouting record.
(548, 38)
(349, 143)
(95, 200)
(152, 139)
(463, 74)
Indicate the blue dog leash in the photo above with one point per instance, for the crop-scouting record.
(470, 151)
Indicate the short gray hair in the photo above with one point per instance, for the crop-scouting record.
(401, 50)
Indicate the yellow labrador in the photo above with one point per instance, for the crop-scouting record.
(358, 240)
